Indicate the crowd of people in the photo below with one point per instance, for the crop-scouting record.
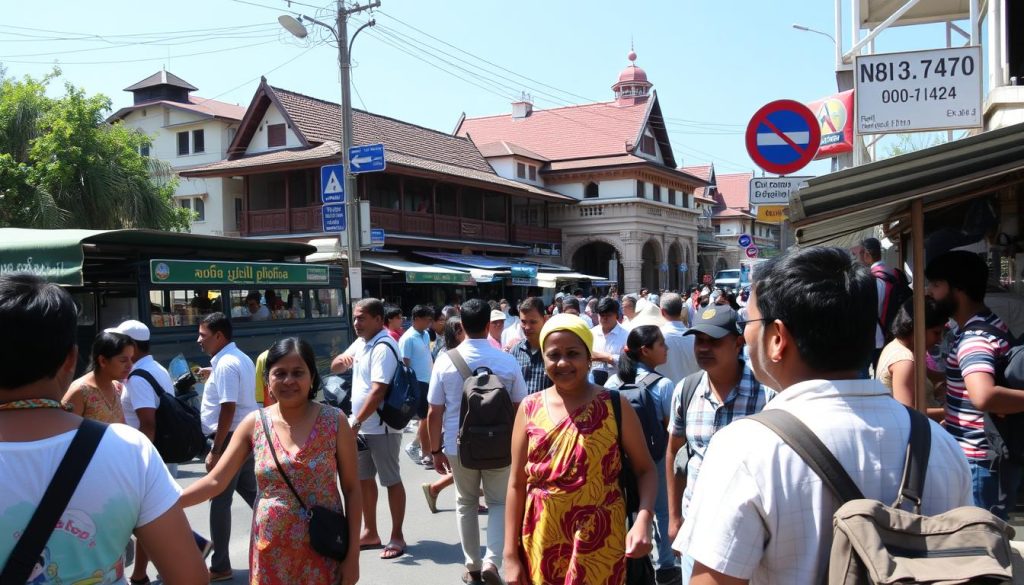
(617, 436)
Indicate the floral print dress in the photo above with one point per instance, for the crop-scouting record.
(279, 550)
(98, 407)
(574, 526)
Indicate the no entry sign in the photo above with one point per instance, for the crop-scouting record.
(783, 136)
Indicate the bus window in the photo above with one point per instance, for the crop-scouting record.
(86, 303)
(326, 302)
(267, 304)
(176, 308)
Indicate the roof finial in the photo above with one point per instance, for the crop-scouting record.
(632, 54)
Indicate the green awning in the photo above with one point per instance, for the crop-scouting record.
(56, 255)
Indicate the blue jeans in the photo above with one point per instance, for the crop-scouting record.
(985, 484)
(665, 559)
(1011, 474)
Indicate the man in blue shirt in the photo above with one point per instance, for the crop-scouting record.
(414, 345)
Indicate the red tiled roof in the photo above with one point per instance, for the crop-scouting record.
(502, 148)
(591, 130)
(702, 171)
(732, 213)
(590, 163)
(734, 190)
(320, 121)
(202, 106)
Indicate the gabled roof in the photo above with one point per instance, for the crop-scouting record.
(205, 107)
(162, 77)
(734, 190)
(702, 171)
(706, 172)
(317, 121)
(727, 213)
(502, 148)
(588, 131)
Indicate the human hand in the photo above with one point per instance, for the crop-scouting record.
(514, 573)
(441, 463)
(638, 540)
(211, 461)
(204, 374)
(674, 524)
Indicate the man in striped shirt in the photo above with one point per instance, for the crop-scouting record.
(957, 281)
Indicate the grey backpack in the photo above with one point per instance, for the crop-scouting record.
(873, 543)
(485, 418)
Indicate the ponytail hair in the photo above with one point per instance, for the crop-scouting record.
(639, 338)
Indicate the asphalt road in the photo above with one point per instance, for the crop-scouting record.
(434, 555)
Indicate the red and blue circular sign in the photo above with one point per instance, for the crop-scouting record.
(783, 136)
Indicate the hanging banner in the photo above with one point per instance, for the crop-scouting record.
(835, 116)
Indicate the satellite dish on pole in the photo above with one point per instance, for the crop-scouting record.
(292, 25)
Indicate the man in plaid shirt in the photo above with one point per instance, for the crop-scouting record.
(726, 391)
(527, 351)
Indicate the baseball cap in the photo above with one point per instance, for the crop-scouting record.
(137, 330)
(497, 315)
(715, 320)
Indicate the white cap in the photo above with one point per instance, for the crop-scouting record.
(497, 315)
(137, 330)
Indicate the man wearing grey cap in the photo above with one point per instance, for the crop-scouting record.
(724, 391)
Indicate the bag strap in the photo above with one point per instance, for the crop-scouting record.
(460, 363)
(648, 380)
(617, 411)
(814, 453)
(689, 390)
(55, 500)
(273, 453)
(384, 342)
(915, 468)
(149, 378)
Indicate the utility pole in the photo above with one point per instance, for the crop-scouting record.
(353, 228)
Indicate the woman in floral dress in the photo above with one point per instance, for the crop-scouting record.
(97, 394)
(316, 448)
(565, 516)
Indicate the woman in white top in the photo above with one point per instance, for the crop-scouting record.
(896, 364)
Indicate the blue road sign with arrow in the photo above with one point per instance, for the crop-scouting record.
(332, 183)
(368, 158)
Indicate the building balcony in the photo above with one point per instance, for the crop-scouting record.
(624, 209)
(308, 220)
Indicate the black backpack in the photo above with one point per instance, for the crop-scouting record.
(643, 403)
(179, 431)
(486, 418)
(404, 393)
(897, 291)
(1008, 440)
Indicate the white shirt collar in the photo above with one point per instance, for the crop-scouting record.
(229, 348)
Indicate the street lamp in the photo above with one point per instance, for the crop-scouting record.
(814, 30)
(340, 33)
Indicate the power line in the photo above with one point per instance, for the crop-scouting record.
(256, 4)
(87, 36)
(118, 62)
(181, 40)
(248, 81)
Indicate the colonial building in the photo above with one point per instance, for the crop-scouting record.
(734, 216)
(710, 250)
(439, 202)
(189, 132)
(632, 215)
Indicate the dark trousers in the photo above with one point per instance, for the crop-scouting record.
(244, 482)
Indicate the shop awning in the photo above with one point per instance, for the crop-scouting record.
(483, 262)
(327, 250)
(56, 255)
(416, 273)
(877, 193)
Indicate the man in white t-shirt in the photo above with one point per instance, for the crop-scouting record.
(125, 488)
(609, 339)
(681, 360)
(139, 403)
(759, 514)
(445, 398)
(228, 396)
(373, 358)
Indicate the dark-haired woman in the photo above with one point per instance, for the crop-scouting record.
(316, 449)
(896, 363)
(97, 394)
(645, 350)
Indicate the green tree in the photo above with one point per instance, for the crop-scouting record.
(62, 166)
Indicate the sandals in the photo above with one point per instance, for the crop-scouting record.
(392, 551)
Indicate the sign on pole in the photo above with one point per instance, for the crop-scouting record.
(752, 252)
(745, 241)
(774, 190)
(332, 183)
(334, 217)
(368, 158)
(783, 136)
(524, 271)
(377, 237)
(772, 213)
(914, 91)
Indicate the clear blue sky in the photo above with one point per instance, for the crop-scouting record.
(712, 63)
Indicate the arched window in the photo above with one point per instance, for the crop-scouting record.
(591, 191)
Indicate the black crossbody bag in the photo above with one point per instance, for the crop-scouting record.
(55, 500)
(328, 530)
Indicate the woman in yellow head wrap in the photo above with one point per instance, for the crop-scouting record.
(565, 519)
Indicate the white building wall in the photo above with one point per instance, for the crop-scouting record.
(259, 140)
(504, 166)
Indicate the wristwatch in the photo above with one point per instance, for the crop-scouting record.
(357, 425)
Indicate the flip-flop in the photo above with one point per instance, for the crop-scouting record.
(431, 498)
(392, 551)
(376, 546)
